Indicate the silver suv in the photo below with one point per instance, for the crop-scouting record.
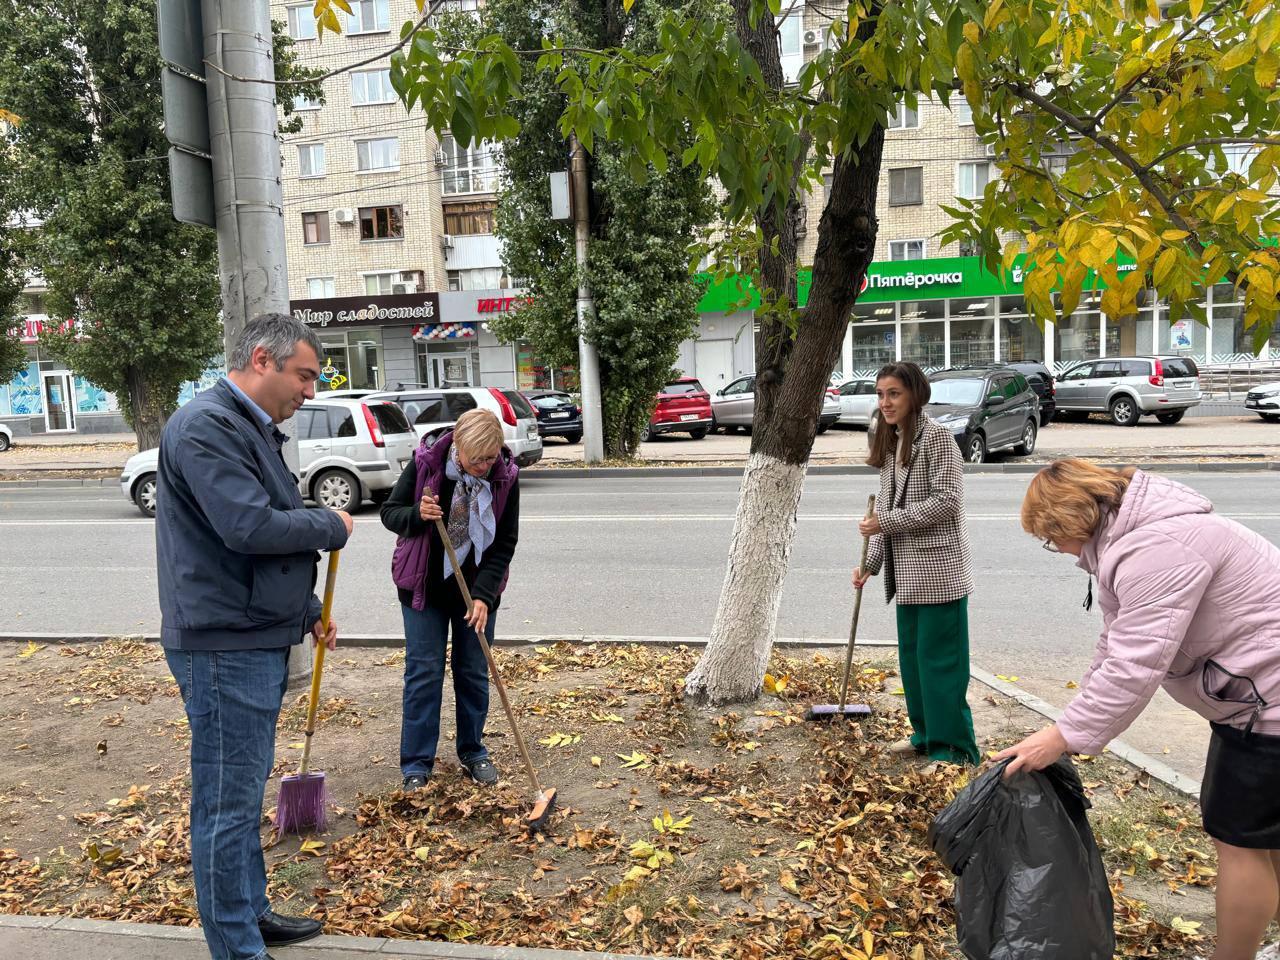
(1127, 388)
(433, 411)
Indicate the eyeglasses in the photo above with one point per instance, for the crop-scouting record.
(481, 461)
(1051, 546)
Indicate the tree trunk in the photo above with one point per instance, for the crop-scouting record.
(147, 413)
(791, 375)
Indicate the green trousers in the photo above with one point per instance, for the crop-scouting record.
(933, 655)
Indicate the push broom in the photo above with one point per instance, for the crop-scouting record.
(825, 711)
(304, 796)
(544, 800)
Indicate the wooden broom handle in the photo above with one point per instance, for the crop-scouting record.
(326, 610)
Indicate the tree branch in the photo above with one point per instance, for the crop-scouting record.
(1209, 142)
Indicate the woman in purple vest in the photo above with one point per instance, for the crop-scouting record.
(468, 478)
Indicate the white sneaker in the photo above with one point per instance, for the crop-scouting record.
(903, 747)
(1270, 951)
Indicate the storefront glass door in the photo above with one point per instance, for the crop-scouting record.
(59, 401)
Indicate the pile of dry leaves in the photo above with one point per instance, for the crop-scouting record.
(681, 831)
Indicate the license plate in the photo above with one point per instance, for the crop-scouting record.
(531, 432)
(557, 416)
(1252, 403)
(688, 416)
(1183, 384)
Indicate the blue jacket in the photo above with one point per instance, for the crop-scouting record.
(235, 547)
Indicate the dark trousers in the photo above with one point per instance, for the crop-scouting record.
(426, 634)
(233, 700)
(933, 655)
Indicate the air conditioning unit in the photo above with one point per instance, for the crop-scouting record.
(991, 150)
(345, 215)
(441, 159)
(813, 38)
(412, 279)
(446, 242)
(404, 288)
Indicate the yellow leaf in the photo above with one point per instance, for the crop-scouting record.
(636, 761)
(1186, 927)
(627, 5)
(297, 746)
(992, 19)
(1001, 676)
(31, 646)
(595, 761)
(10, 118)
(787, 881)
(868, 943)
(312, 847)
(1237, 56)
(1265, 69)
(917, 952)
(422, 853)
(1196, 7)
(1164, 265)
(1072, 685)
(972, 33)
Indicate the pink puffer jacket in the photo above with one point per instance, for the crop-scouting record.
(1179, 587)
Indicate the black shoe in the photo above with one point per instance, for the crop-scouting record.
(278, 930)
(415, 781)
(482, 772)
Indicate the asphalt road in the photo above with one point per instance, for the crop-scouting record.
(641, 556)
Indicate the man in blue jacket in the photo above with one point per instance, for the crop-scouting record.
(236, 552)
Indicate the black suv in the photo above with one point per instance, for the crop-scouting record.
(1042, 382)
(987, 410)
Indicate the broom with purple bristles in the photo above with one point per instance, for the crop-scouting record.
(304, 796)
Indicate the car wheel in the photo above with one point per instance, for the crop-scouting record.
(647, 435)
(1045, 418)
(336, 490)
(1172, 417)
(1270, 417)
(699, 433)
(1028, 444)
(975, 449)
(4, 442)
(1124, 412)
(823, 428)
(573, 437)
(144, 495)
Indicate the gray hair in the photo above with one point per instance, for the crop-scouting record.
(276, 333)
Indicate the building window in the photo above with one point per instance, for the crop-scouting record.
(1238, 157)
(1055, 166)
(904, 118)
(302, 102)
(379, 284)
(468, 169)
(302, 21)
(369, 16)
(480, 278)
(376, 155)
(961, 112)
(906, 187)
(315, 227)
(371, 86)
(791, 41)
(906, 249)
(381, 223)
(320, 288)
(972, 179)
(469, 219)
(311, 159)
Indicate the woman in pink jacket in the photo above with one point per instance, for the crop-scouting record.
(1191, 602)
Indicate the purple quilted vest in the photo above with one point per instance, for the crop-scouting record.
(409, 562)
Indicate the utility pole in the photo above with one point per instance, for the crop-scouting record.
(589, 361)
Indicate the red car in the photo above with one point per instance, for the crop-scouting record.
(683, 407)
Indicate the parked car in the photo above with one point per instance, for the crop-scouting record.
(1264, 400)
(6, 438)
(857, 399)
(1129, 388)
(986, 410)
(349, 450)
(735, 406)
(558, 415)
(433, 411)
(683, 407)
(1042, 382)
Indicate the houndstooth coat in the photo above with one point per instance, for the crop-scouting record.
(924, 547)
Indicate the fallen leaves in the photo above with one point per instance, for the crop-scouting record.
(561, 740)
(635, 760)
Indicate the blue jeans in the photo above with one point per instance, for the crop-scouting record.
(233, 699)
(426, 633)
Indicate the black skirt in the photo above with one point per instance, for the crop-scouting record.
(1240, 796)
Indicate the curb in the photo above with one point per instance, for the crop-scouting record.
(1118, 748)
(24, 932)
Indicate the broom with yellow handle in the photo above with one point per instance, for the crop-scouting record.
(304, 796)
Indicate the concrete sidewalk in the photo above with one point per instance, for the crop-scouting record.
(56, 938)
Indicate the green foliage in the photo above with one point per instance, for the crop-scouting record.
(642, 228)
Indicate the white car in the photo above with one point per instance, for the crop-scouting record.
(857, 401)
(6, 438)
(349, 450)
(735, 407)
(1264, 400)
(434, 410)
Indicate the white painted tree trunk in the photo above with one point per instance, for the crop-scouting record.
(732, 667)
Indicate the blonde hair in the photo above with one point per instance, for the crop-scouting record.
(1066, 499)
(477, 432)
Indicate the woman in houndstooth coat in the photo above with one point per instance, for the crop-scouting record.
(918, 535)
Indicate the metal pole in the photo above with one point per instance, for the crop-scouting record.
(589, 361)
(247, 199)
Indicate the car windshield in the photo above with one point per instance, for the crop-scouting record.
(957, 391)
(684, 386)
(551, 402)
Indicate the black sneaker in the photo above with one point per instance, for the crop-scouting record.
(482, 772)
(415, 781)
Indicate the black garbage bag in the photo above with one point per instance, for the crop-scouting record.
(1030, 884)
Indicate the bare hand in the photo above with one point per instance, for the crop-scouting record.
(869, 526)
(478, 618)
(860, 578)
(346, 521)
(330, 636)
(1038, 751)
(429, 508)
